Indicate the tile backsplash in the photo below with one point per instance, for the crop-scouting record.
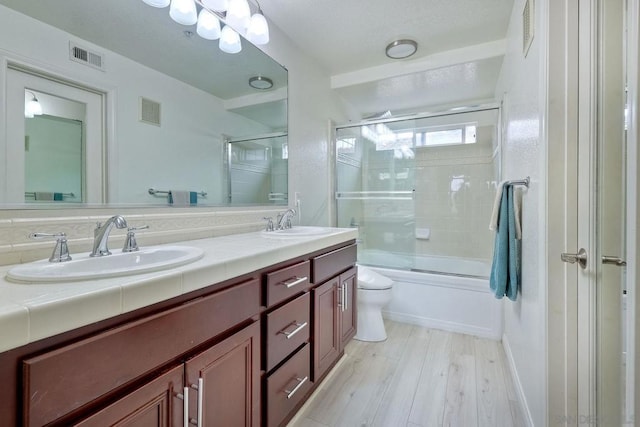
(166, 225)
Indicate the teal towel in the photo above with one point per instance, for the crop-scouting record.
(58, 197)
(193, 198)
(505, 271)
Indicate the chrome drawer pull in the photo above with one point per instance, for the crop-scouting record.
(300, 326)
(290, 283)
(296, 388)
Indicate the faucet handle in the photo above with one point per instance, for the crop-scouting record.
(60, 251)
(269, 223)
(130, 243)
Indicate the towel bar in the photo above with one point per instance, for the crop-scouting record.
(154, 192)
(524, 182)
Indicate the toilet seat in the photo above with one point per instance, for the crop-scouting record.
(370, 280)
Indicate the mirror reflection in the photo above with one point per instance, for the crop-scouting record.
(258, 170)
(158, 112)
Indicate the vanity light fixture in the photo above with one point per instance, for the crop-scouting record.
(33, 107)
(261, 83)
(236, 14)
(401, 49)
(229, 40)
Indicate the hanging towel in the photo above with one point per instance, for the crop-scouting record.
(493, 224)
(58, 197)
(44, 195)
(178, 198)
(505, 270)
(183, 198)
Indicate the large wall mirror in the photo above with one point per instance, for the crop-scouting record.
(134, 106)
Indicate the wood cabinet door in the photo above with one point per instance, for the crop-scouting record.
(326, 338)
(348, 309)
(155, 404)
(225, 381)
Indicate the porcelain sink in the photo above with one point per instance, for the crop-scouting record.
(299, 231)
(84, 267)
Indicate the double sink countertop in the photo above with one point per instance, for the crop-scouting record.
(33, 311)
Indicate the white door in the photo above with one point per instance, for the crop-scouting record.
(17, 82)
(602, 320)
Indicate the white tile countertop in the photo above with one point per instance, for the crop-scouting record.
(33, 311)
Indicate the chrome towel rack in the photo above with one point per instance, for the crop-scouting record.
(155, 192)
(524, 182)
(33, 194)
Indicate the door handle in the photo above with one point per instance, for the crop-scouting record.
(613, 260)
(580, 258)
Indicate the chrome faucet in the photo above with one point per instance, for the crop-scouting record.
(284, 219)
(101, 235)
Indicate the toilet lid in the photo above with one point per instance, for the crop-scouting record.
(369, 279)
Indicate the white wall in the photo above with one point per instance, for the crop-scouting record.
(311, 106)
(521, 88)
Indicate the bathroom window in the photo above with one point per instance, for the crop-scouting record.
(346, 146)
(451, 135)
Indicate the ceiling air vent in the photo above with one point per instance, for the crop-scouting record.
(149, 111)
(85, 56)
(527, 26)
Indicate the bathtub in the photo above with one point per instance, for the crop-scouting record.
(448, 302)
(428, 264)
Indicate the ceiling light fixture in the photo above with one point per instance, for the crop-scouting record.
(401, 49)
(236, 15)
(262, 83)
(33, 107)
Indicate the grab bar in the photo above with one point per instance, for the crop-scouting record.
(376, 195)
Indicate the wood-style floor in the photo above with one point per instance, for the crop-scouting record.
(418, 377)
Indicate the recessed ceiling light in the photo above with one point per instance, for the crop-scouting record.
(262, 83)
(401, 49)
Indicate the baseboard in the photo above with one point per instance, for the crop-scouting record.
(443, 325)
(524, 407)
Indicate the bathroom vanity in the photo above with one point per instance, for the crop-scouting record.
(255, 326)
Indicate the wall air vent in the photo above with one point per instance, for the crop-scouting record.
(85, 56)
(528, 24)
(149, 111)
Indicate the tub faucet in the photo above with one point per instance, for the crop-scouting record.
(101, 235)
(284, 219)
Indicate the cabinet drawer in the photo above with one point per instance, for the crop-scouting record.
(287, 328)
(287, 386)
(61, 381)
(287, 282)
(334, 262)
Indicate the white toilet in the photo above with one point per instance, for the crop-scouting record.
(374, 292)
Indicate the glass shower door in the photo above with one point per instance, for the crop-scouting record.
(421, 190)
(375, 192)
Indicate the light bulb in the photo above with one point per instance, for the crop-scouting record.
(33, 108)
(208, 25)
(258, 31)
(183, 12)
(157, 3)
(238, 15)
(229, 40)
(217, 5)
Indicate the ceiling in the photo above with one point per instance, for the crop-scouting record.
(460, 48)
